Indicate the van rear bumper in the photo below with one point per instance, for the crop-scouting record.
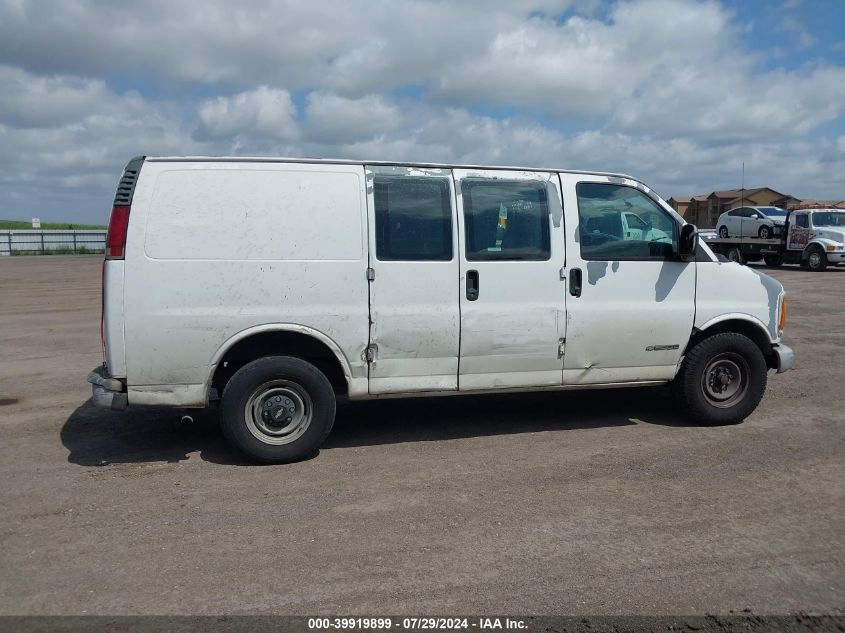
(107, 392)
(784, 356)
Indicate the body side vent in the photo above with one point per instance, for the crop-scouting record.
(126, 186)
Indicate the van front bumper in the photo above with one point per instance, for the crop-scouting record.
(784, 356)
(107, 392)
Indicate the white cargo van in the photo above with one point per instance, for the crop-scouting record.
(276, 285)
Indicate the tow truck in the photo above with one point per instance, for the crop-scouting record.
(813, 238)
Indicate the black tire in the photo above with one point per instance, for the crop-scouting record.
(701, 372)
(276, 382)
(723, 231)
(765, 232)
(735, 255)
(816, 259)
(773, 260)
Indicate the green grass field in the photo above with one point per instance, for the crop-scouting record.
(22, 224)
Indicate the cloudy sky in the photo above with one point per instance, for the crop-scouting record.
(676, 92)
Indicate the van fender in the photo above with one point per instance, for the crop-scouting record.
(730, 316)
(278, 327)
(737, 316)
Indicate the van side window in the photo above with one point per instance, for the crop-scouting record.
(413, 218)
(620, 222)
(802, 221)
(506, 220)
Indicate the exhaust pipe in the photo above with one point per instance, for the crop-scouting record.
(186, 420)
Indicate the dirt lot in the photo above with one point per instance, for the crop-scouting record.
(590, 503)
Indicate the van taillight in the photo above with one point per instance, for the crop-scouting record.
(116, 236)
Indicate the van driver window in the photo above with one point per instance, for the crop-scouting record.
(619, 222)
(802, 221)
(506, 220)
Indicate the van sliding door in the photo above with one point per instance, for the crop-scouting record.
(414, 317)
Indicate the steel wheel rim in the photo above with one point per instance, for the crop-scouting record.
(725, 380)
(278, 412)
(764, 233)
(733, 255)
(814, 259)
(723, 232)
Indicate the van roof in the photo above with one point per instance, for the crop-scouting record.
(340, 161)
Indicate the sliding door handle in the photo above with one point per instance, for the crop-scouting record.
(575, 282)
(472, 285)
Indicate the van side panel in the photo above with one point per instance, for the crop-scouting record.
(214, 249)
(729, 290)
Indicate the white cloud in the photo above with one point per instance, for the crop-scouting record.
(264, 113)
(42, 102)
(661, 88)
(335, 119)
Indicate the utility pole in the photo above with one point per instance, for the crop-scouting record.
(742, 190)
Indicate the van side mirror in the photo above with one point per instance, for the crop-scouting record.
(688, 242)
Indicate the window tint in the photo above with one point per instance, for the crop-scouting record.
(802, 221)
(413, 218)
(506, 220)
(618, 222)
(735, 213)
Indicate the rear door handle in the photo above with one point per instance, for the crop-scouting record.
(575, 282)
(472, 285)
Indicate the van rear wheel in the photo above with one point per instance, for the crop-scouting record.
(722, 379)
(277, 409)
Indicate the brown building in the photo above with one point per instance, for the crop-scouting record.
(680, 204)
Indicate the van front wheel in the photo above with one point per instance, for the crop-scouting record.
(277, 409)
(722, 379)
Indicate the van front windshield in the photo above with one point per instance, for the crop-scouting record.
(829, 218)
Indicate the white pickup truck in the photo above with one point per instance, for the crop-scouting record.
(270, 287)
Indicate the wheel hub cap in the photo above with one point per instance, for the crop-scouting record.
(725, 380)
(278, 412)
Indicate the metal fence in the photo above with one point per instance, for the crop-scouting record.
(51, 242)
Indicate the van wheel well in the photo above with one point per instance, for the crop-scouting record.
(280, 344)
(755, 333)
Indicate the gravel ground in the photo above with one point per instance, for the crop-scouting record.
(598, 503)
